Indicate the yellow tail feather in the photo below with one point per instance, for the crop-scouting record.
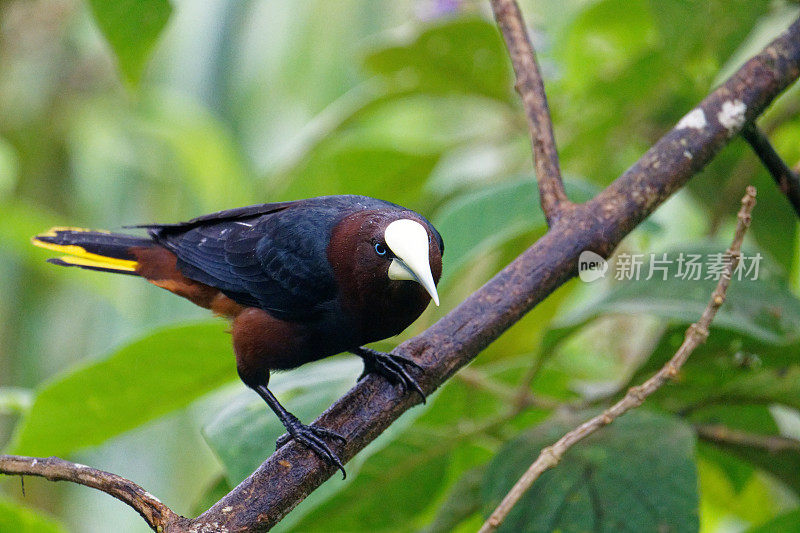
(110, 264)
(78, 255)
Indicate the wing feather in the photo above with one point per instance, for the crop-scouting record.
(275, 260)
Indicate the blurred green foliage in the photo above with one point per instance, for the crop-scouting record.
(125, 112)
(21, 520)
(132, 29)
(101, 399)
(592, 490)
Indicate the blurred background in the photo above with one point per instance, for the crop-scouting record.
(115, 113)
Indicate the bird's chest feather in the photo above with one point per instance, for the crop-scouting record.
(383, 309)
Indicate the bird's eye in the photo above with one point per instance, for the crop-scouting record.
(380, 249)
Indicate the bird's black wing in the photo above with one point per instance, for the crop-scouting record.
(219, 216)
(275, 260)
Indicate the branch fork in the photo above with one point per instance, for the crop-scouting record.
(785, 178)
(363, 413)
(696, 334)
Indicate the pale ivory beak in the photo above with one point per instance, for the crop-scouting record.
(408, 241)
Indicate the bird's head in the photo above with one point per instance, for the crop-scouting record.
(407, 244)
(394, 256)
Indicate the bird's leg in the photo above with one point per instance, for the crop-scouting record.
(392, 367)
(310, 436)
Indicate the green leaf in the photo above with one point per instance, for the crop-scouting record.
(406, 474)
(244, 433)
(17, 519)
(708, 54)
(684, 30)
(773, 231)
(763, 309)
(505, 211)
(749, 418)
(722, 374)
(716, 388)
(737, 471)
(132, 28)
(150, 377)
(783, 464)
(423, 123)
(720, 502)
(346, 167)
(407, 466)
(202, 154)
(214, 493)
(463, 501)
(459, 55)
(617, 54)
(709, 385)
(607, 37)
(638, 474)
(785, 523)
(732, 380)
(761, 34)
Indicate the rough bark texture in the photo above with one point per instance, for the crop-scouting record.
(291, 473)
(696, 335)
(531, 90)
(148, 506)
(786, 178)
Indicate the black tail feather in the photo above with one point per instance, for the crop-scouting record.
(93, 250)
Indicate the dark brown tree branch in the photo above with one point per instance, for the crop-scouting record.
(371, 406)
(156, 514)
(696, 334)
(785, 177)
(724, 434)
(531, 89)
(362, 414)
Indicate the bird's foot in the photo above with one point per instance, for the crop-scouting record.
(392, 367)
(311, 437)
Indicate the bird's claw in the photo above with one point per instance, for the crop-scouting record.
(311, 437)
(392, 367)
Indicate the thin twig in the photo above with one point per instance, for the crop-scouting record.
(695, 335)
(724, 434)
(363, 413)
(156, 514)
(787, 179)
(531, 89)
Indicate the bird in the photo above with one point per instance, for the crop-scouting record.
(299, 280)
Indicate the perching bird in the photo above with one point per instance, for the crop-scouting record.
(301, 281)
